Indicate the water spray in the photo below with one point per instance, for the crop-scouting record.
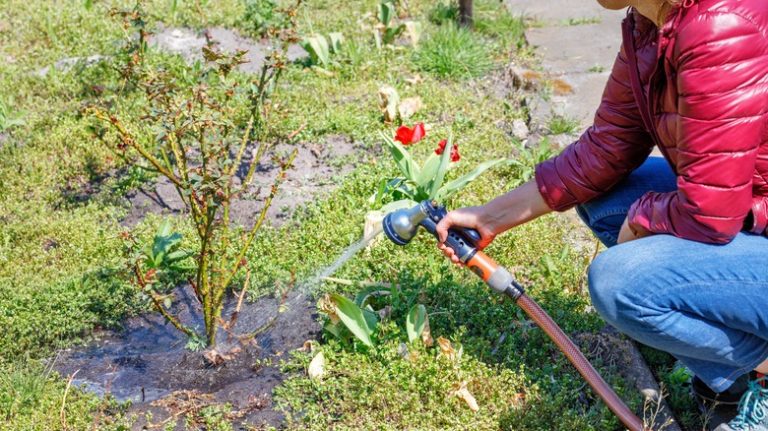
(402, 226)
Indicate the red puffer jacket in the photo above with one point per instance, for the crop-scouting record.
(698, 89)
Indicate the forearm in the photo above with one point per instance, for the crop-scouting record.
(514, 208)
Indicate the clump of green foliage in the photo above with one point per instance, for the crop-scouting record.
(453, 52)
(263, 16)
(7, 119)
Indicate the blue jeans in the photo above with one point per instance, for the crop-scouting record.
(705, 304)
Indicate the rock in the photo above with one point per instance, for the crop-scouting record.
(520, 130)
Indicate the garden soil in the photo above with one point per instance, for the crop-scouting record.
(148, 362)
(312, 174)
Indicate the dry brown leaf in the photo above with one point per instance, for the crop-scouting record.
(446, 348)
(463, 393)
(561, 88)
(415, 79)
(426, 334)
(389, 99)
(316, 368)
(216, 358)
(328, 307)
(410, 106)
(308, 346)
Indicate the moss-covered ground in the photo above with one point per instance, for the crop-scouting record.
(62, 265)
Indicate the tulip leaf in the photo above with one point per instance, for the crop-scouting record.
(445, 160)
(454, 186)
(353, 318)
(403, 160)
(415, 322)
(317, 47)
(336, 39)
(429, 170)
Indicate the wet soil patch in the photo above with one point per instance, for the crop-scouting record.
(147, 362)
(313, 173)
(189, 44)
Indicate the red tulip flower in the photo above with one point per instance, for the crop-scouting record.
(455, 156)
(408, 136)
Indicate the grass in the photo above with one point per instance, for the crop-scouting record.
(453, 52)
(559, 125)
(62, 264)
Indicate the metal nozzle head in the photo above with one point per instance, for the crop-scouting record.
(402, 225)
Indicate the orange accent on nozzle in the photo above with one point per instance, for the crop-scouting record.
(482, 265)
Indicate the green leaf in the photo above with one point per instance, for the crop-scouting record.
(336, 39)
(429, 170)
(454, 186)
(415, 322)
(352, 317)
(88, 4)
(317, 47)
(397, 205)
(332, 329)
(386, 12)
(391, 33)
(177, 256)
(364, 295)
(445, 160)
(403, 159)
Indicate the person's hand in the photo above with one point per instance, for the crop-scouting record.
(627, 233)
(471, 217)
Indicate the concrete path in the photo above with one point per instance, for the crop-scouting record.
(577, 42)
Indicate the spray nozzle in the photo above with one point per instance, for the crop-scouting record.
(402, 225)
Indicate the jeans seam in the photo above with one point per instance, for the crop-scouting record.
(739, 371)
(745, 369)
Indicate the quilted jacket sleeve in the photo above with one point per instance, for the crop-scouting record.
(616, 144)
(721, 60)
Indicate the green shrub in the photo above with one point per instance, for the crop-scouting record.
(443, 13)
(453, 52)
(262, 15)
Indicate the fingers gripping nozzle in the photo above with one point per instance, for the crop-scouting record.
(402, 226)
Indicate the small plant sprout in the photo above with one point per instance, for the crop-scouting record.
(320, 48)
(7, 119)
(386, 29)
(426, 181)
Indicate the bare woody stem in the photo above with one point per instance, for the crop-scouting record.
(128, 139)
(159, 305)
(262, 216)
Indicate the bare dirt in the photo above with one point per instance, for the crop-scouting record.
(189, 43)
(314, 170)
(148, 364)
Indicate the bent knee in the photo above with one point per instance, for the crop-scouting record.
(617, 282)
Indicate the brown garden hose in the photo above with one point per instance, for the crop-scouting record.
(617, 406)
(490, 271)
(401, 226)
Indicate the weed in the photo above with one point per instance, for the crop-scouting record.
(264, 16)
(7, 119)
(596, 69)
(582, 21)
(453, 52)
(559, 125)
(444, 13)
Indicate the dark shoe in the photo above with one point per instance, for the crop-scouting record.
(729, 397)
